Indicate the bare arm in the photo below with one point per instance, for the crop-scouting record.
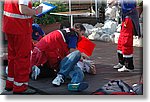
(28, 11)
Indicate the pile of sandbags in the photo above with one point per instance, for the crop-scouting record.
(109, 27)
(104, 32)
(109, 32)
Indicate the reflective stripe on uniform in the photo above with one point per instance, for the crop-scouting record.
(128, 56)
(37, 49)
(62, 36)
(15, 15)
(119, 51)
(20, 84)
(10, 79)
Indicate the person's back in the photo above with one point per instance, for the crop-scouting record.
(11, 14)
(56, 45)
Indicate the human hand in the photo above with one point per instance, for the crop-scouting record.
(39, 9)
(84, 56)
(93, 69)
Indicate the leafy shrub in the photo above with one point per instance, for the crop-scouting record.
(49, 19)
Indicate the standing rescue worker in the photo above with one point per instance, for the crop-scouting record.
(130, 26)
(17, 25)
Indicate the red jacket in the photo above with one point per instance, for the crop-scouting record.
(52, 48)
(13, 21)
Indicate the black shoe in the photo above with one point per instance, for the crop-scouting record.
(8, 89)
(26, 92)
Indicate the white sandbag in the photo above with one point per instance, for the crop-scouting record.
(110, 13)
(109, 27)
(116, 37)
(94, 36)
(88, 28)
(98, 25)
(118, 28)
(138, 42)
(112, 38)
(105, 37)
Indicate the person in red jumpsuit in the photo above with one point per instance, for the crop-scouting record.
(129, 27)
(56, 45)
(58, 50)
(17, 25)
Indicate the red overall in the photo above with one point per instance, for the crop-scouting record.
(18, 28)
(125, 41)
(52, 48)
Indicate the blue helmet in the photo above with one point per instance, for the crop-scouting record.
(127, 5)
(36, 28)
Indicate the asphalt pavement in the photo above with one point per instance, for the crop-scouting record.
(105, 57)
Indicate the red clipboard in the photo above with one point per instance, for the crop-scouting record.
(86, 46)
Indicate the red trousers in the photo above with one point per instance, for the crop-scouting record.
(125, 41)
(19, 51)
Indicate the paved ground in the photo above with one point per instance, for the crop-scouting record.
(104, 57)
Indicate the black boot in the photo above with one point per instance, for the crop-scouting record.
(129, 63)
(128, 67)
(121, 61)
(8, 89)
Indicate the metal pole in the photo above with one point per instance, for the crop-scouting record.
(96, 9)
(71, 21)
(69, 5)
(71, 16)
(41, 1)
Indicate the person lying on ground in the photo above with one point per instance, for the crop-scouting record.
(58, 50)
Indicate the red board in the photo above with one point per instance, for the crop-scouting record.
(86, 46)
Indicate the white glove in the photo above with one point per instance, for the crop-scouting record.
(35, 72)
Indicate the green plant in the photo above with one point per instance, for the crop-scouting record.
(139, 2)
(49, 19)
